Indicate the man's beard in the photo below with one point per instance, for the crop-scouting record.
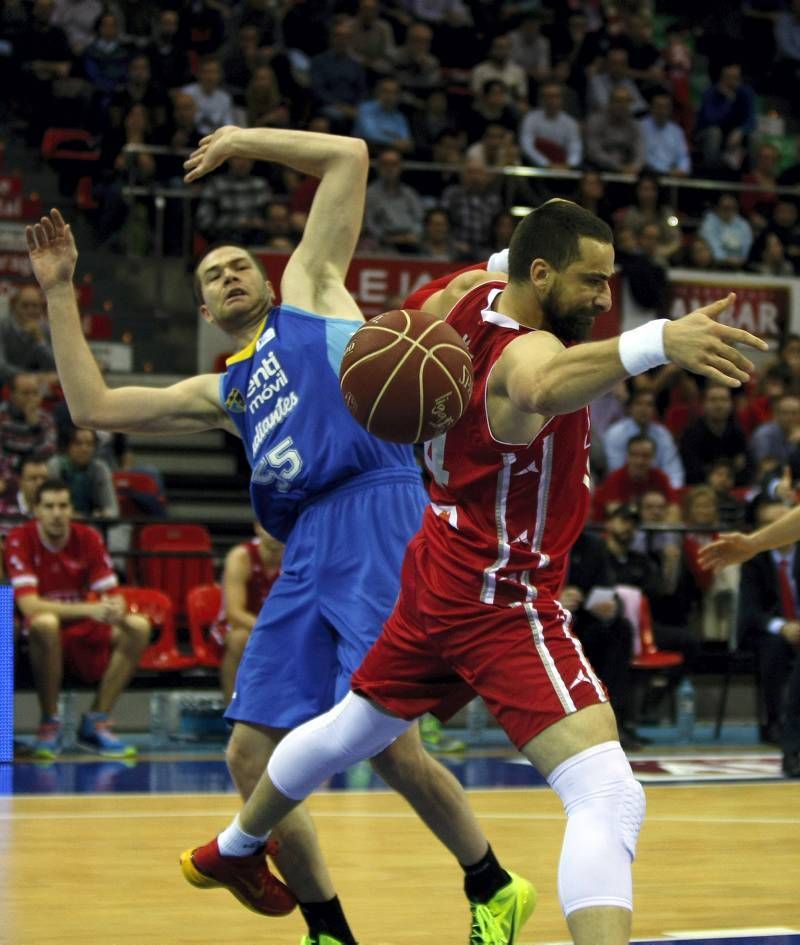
(566, 326)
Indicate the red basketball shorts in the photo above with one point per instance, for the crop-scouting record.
(86, 647)
(435, 654)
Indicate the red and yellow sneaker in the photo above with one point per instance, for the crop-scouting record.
(247, 877)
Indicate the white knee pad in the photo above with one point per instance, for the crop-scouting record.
(605, 809)
(349, 732)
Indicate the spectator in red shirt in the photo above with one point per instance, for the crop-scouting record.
(251, 569)
(627, 485)
(54, 565)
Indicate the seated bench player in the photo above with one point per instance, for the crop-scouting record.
(54, 564)
(251, 569)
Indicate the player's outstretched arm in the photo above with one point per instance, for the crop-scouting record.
(183, 408)
(540, 376)
(735, 548)
(314, 277)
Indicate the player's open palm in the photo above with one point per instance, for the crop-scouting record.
(699, 343)
(212, 151)
(729, 548)
(52, 250)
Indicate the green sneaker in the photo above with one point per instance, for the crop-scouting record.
(324, 939)
(434, 739)
(498, 921)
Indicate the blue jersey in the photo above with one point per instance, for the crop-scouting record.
(282, 392)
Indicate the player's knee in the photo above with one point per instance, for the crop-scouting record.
(605, 808)
(136, 630)
(235, 642)
(401, 762)
(44, 627)
(246, 757)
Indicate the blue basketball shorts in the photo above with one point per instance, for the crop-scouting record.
(339, 582)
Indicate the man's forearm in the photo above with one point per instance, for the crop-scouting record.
(572, 378)
(304, 151)
(64, 610)
(78, 372)
(785, 531)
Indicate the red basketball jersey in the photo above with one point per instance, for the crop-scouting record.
(503, 517)
(67, 574)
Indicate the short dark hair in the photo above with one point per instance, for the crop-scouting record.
(640, 438)
(32, 459)
(51, 485)
(552, 232)
(197, 285)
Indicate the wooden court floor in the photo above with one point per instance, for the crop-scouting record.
(102, 870)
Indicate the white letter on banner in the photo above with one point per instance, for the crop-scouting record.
(372, 286)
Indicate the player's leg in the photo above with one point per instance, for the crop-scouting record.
(299, 857)
(555, 710)
(233, 648)
(97, 653)
(47, 663)
(287, 674)
(584, 763)
(441, 804)
(435, 795)
(128, 641)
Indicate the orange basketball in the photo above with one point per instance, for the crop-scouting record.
(406, 376)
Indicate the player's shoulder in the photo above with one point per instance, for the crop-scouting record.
(21, 534)
(85, 535)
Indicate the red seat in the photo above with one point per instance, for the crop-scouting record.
(176, 576)
(646, 655)
(69, 144)
(129, 484)
(649, 655)
(163, 653)
(202, 610)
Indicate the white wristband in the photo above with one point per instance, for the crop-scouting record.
(642, 348)
(498, 262)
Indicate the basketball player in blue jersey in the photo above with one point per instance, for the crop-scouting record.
(344, 503)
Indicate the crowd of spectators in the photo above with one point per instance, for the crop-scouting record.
(628, 89)
(620, 95)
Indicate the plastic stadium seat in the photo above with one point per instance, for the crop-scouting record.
(69, 144)
(646, 655)
(202, 609)
(138, 493)
(163, 653)
(176, 575)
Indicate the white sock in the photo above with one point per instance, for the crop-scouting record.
(233, 841)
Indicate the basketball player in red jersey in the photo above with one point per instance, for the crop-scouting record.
(53, 564)
(251, 569)
(477, 611)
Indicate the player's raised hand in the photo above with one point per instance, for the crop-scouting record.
(729, 548)
(212, 151)
(52, 249)
(700, 344)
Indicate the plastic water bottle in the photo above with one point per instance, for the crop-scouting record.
(67, 711)
(686, 710)
(159, 701)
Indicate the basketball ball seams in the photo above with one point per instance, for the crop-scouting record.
(402, 396)
(398, 337)
(412, 347)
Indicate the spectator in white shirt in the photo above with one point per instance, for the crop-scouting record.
(666, 150)
(548, 136)
(500, 66)
(214, 104)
